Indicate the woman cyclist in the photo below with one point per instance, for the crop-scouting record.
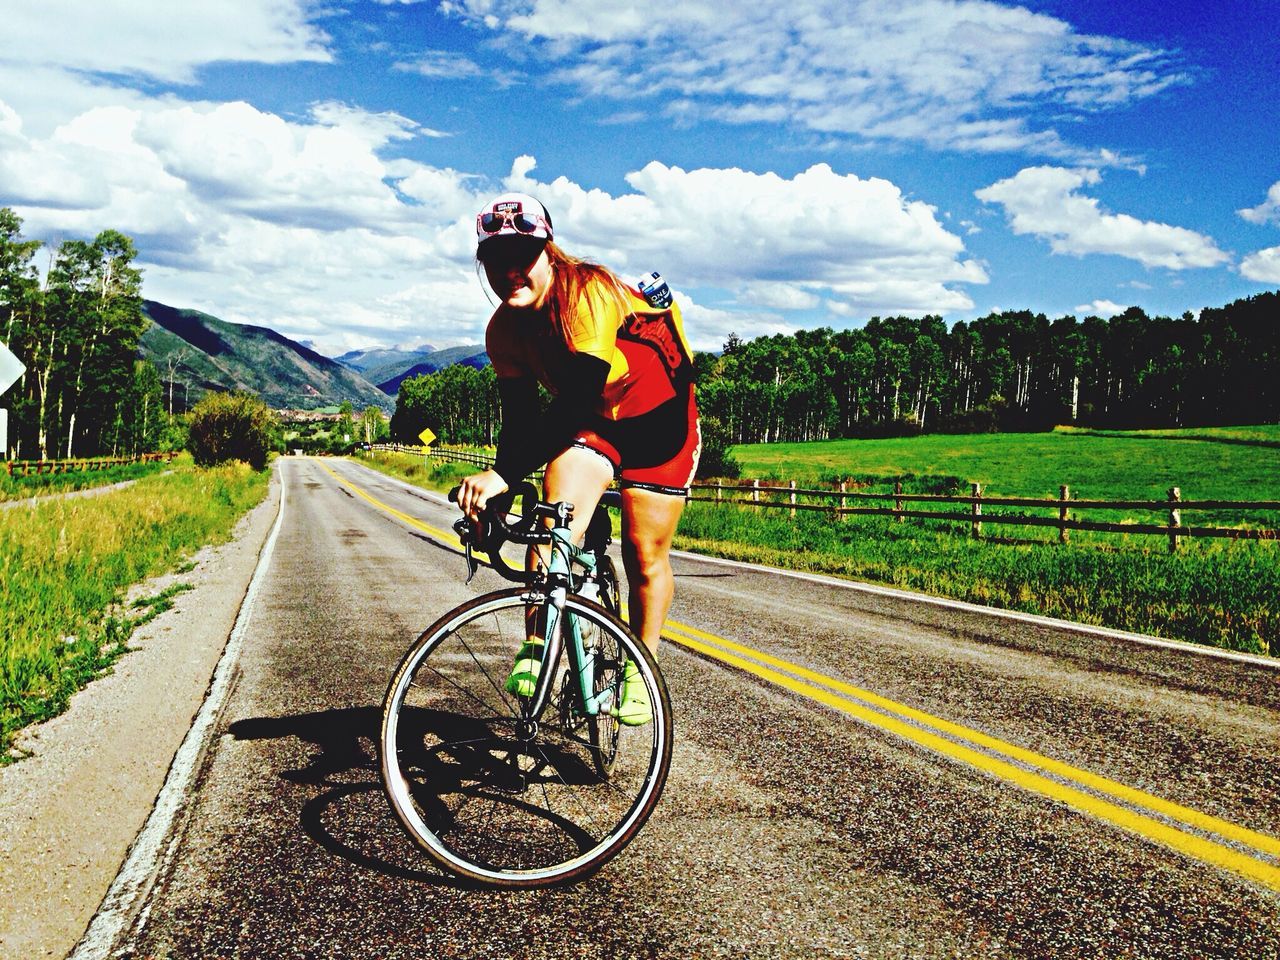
(621, 376)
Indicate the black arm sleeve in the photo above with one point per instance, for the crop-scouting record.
(529, 439)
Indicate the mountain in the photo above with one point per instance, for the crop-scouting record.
(472, 356)
(381, 363)
(198, 352)
(388, 367)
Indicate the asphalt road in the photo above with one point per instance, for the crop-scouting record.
(876, 777)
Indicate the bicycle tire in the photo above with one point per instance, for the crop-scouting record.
(492, 799)
(610, 595)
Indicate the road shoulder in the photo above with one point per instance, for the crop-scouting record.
(69, 812)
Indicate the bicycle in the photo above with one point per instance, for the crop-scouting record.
(515, 791)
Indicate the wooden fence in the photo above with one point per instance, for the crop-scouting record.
(26, 468)
(1063, 511)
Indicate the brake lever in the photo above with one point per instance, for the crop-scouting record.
(466, 533)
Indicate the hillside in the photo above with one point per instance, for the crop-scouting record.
(389, 367)
(471, 356)
(199, 352)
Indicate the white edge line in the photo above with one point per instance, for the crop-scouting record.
(1088, 629)
(143, 861)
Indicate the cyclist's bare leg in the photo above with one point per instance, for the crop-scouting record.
(649, 522)
(579, 477)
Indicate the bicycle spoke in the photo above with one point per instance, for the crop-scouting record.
(495, 795)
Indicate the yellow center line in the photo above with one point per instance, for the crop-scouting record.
(1174, 811)
(815, 688)
(448, 536)
(834, 693)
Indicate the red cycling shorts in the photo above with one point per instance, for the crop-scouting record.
(655, 451)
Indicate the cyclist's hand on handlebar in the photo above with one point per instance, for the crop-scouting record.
(476, 490)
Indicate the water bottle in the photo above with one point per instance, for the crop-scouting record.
(655, 290)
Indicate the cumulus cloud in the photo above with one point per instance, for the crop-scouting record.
(856, 246)
(1045, 202)
(1266, 212)
(1100, 308)
(1263, 266)
(953, 74)
(158, 39)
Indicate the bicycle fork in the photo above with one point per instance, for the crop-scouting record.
(582, 662)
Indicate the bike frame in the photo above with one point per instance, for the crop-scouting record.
(564, 554)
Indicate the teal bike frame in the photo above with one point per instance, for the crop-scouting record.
(560, 582)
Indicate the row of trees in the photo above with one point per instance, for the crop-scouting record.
(1009, 370)
(459, 404)
(85, 392)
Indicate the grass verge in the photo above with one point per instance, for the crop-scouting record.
(416, 469)
(67, 564)
(1224, 594)
(39, 485)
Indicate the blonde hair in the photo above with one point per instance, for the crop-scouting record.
(572, 277)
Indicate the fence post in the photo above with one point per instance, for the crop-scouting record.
(844, 486)
(897, 500)
(793, 499)
(755, 491)
(1175, 518)
(719, 492)
(977, 511)
(1064, 494)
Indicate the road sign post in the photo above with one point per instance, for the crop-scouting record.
(428, 438)
(11, 368)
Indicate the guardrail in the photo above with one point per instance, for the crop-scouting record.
(1064, 510)
(26, 468)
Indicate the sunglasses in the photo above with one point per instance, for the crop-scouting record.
(491, 223)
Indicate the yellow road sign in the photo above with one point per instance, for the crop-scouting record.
(427, 437)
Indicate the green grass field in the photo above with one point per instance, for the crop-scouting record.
(1096, 466)
(67, 563)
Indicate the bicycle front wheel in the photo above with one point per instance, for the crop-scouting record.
(497, 796)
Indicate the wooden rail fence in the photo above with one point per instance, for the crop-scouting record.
(1063, 511)
(25, 468)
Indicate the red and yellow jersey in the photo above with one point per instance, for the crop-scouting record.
(649, 358)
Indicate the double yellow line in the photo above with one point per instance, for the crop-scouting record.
(1246, 852)
(1250, 854)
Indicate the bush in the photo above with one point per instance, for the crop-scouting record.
(716, 461)
(231, 426)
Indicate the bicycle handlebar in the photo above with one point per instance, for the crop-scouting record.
(493, 529)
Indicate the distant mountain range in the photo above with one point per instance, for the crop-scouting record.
(388, 368)
(198, 352)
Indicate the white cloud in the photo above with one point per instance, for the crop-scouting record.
(1263, 266)
(857, 244)
(1100, 308)
(1045, 202)
(708, 328)
(158, 38)
(954, 74)
(1266, 212)
(450, 65)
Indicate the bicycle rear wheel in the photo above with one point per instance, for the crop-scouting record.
(494, 795)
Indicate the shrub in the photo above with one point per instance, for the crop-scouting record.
(231, 426)
(716, 461)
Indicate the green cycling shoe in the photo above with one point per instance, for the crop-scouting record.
(634, 710)
(524, 674)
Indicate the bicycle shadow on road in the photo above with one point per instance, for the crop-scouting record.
(345, 762)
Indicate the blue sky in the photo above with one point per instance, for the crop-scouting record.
(316, 167)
